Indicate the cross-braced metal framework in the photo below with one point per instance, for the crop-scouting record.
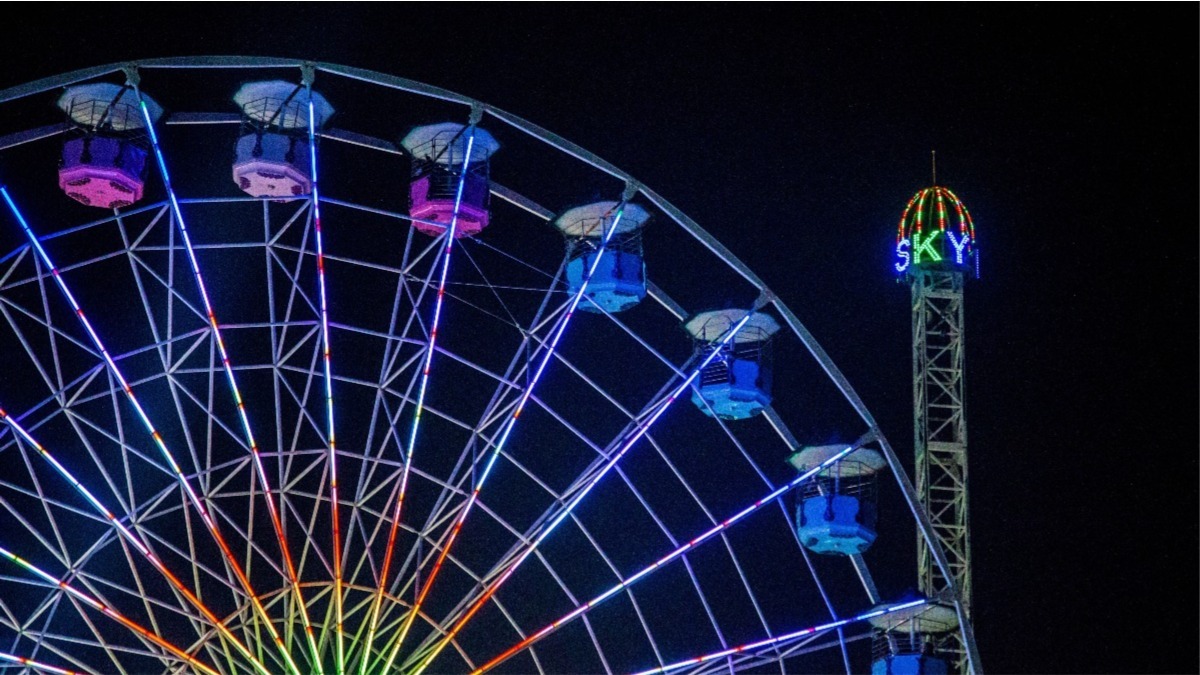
(941, 434)
(514, 484)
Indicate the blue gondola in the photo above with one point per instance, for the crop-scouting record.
(736, 384)
(906, 641)
(836, 510)
(618, 281)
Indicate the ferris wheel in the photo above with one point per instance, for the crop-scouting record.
(311, 369)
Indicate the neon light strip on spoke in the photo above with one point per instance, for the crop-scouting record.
(106, 610)
(36, 665)
(229, 376)
(209, 522)
(782, 638)
(333, 485)
(412, 438)
(693, 543)
(525, 396)
(132, 539)
(628, 443)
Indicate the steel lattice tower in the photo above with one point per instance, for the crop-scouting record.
(936, 251)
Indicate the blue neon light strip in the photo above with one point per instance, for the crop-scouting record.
(693, 543)
(632, 438)
(782, 638)
(131, 538)
(328, 359)
(276, 523)
(412, 437)
(154, 434)
(523, 400)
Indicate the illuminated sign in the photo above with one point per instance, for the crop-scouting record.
(932, 235)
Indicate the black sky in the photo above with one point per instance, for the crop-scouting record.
(1069, 130)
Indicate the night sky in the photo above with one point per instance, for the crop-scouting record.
(796, 134)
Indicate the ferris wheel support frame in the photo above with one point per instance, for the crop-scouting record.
(934, 548)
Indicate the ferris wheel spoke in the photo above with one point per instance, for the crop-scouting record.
(547, 350)
(449, 236)
(227, 366)
(621, 446)
(194, 498)
(36, 665)
(334, 501)
(691, 544)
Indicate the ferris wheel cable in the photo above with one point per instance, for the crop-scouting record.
(513, 258)
(624, 444)
(812, 630)
(420, 404)
(160, 443)
(129, 535)
(194, 262)
(512, 421)
(769, 498)
(106, 610)
(36, 665)
(512, 319)
(334, 503)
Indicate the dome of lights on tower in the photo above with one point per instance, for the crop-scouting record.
(936, 232)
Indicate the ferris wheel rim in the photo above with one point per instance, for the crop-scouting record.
(766, 297)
